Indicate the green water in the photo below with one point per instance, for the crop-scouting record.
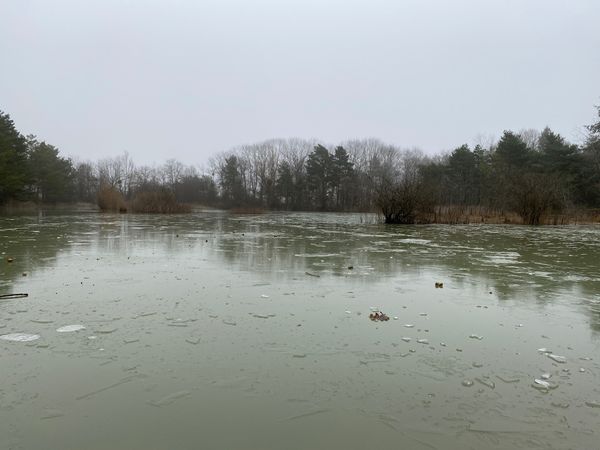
(251, 332)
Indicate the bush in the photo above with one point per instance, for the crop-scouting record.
(161, 201)
(110, 199)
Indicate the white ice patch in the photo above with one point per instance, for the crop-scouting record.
(20, 337)
(70, 328)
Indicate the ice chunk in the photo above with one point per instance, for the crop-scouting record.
(70, 328)
(557, 358)
(20, 337)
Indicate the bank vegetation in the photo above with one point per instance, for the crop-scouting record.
(527, 177)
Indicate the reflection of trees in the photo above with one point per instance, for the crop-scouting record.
(34, 242)
(518, 264)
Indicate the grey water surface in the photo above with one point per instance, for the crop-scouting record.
(220, 331)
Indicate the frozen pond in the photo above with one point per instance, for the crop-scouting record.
(252, 332)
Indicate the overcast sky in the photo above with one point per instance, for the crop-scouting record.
(186, 79)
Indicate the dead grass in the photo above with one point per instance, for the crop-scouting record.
(158, 202)
(484, 215)
(110, 199)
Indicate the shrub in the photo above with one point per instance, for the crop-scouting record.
(110, 199)
(161, 201)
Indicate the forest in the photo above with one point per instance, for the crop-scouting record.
(529, 173)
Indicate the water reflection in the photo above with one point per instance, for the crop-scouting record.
(515, 264)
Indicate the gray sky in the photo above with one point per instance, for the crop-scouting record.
(186, 79)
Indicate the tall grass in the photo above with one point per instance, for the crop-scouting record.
(457, 214)
(110, 199)
(159, 201)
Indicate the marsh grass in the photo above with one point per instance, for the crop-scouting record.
(111, 200)
(159, 202)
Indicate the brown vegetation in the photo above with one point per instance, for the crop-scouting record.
(160, 201)
(460, 214)
(110, 199)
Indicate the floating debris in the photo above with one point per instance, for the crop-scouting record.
(350, 267)
(544, 350)
(378, 317)
(312, 275)
(560, 405)
(11, 296)
(261, 316)
(70, 328)
(507, 380)
(52, 414)
(476, 336)
(9, 259)
(194, 341)
(105, 330)
(299, 355)
(229, 322)
(406, 339)
(541, 384)
(467, 383)
(477, 365)
(20, 337)
(439, 285)
(264, 296)
(486, 382)
(423, 341)
(544, 385)
(557, 358)
(545, 376)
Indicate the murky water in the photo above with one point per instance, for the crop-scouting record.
(252, 332)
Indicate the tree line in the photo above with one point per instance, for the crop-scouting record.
(529, 173)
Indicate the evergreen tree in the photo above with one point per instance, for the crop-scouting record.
(51, 176)
(231, 182)
(342, 174)
(318, 172)
(13, 160)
